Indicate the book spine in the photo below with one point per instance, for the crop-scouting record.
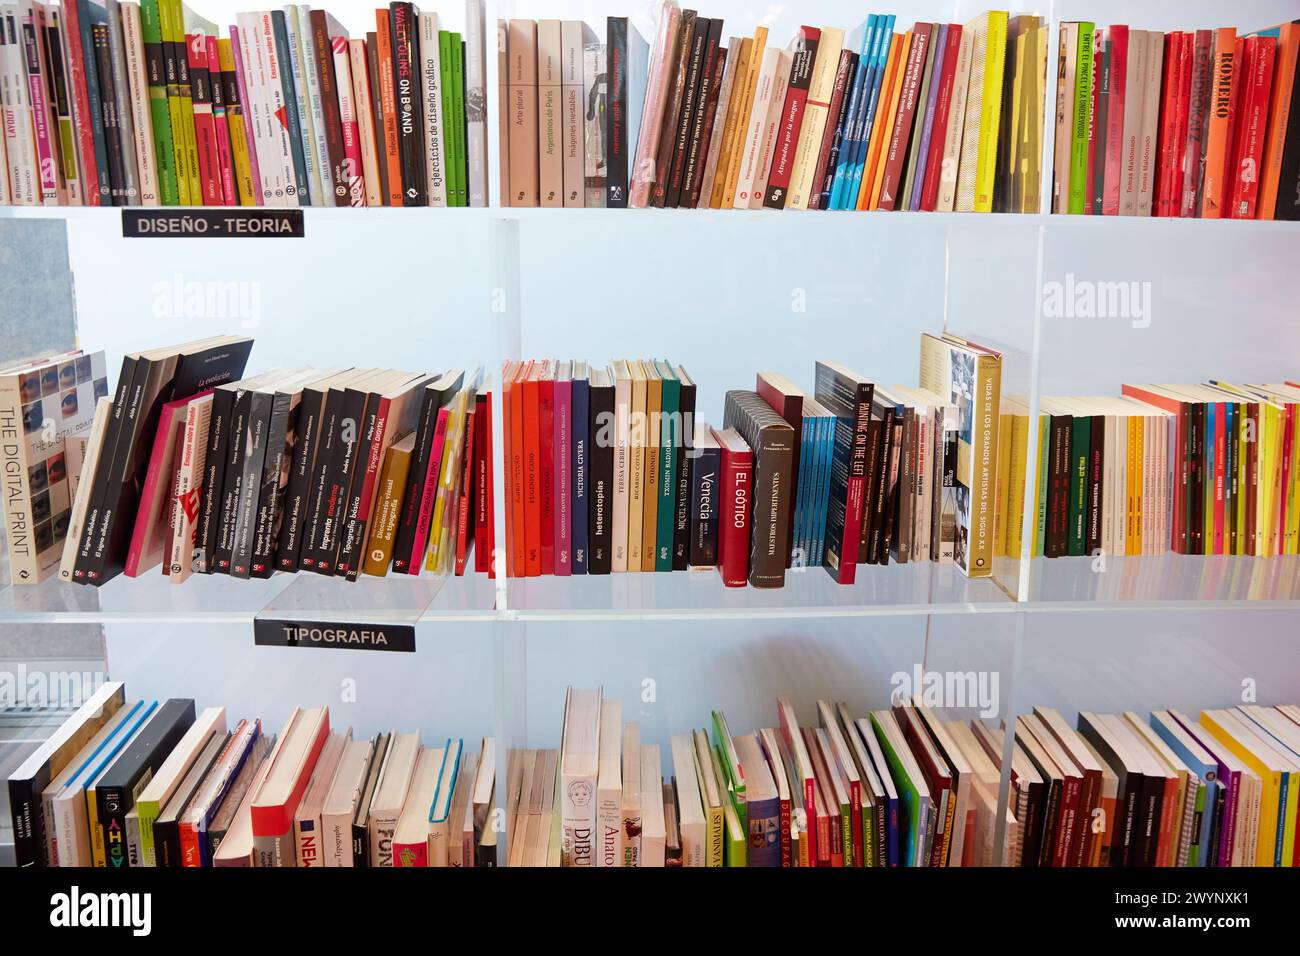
(432, 72)
(704, 509)
(353, 167)
(286, 112)
(601, 495)
(846, 80)
(334, 172)
(734, 533)
(302, 74)
(616, 131)
(792, 120)
(686, 461)
(484, 489)
(221, 122)
(580, 471)
(204, 127)
(561, 493)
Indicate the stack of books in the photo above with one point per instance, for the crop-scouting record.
(1208, 469)
(1201, 123)
(148, 783)
(112, 103)
(944, 117)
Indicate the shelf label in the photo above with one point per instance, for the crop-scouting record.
(349, 636)
(233, 223)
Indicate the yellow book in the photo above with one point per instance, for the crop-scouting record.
(1000, 543)
(650, 514)
(448, 469)
(636, 473)
(729, 125)
(1017, 51)
(1276, 846)
(187, 22)
(756, 49)
(991, 111)
(169, 23)
(238, 138)
(1133, 522)
(1292, 509)
(711, 798)
(820, 89)
(1019, 468)
(98, 856)
(885, 123)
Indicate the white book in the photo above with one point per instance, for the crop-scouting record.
(257, 109)
(965, 167)
(609, 786)
(690, 809)
(297, 34)
(348, 118)
(1131, 141)
(141, 118)
(631, 801)
(308, 833)
(653, 826)
(390, 796)
(476, 140)
(53, 189)
(19, 131)
(365, 123)
(593, 103)
(752, 141)
(81, 499)
(342, 801)
(580, 760)
(315, 108)
(211, 721)
(550, 140)
(435, 155)
(189, 488)
(572, 140)
(771, 128)
(277, 168)
(440, 816)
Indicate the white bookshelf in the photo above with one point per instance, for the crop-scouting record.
(725, 294)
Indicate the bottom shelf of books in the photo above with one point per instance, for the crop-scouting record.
(1044, 739)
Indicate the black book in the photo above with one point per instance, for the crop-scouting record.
(108, 109)
(117, 786)
(1096, 467)
(436, 395)
(705, 105)
(360, 824)
(125, 382)
(167, 828)
(253, 439)
(159, 376)
(327, 438)
(1127, 803)
(1288, 182)
(697, 69)
(847, 396)
(600, 457)
(343, 447)
(1098, 198)
(303, 439)
(220, 429)
(772, 439)
(410, 130)
(390, 417)
(617, 160)
(685, 466)
(871, 478)
(837, 139)
(678, 62)
(281, 31)
(704, 499)
(881, 484)
(281, 437)
(1057, 534)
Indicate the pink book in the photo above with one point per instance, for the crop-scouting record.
(656, 95)
(430, 493)
(40, 113)
(563, 478)
(238, 55)
(1117, 36)
(151, 536)
(225, 162)
(348, 118)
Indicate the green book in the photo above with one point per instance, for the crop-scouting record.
(735, 846)
(911, 793)
(458, 156)
(159, 109)
(1080, 444)
(733, 778)
(1044, 458)
(448, 123)
(670, 439)
(1082, 116)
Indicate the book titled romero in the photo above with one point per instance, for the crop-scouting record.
(580, 763)
(276, 800)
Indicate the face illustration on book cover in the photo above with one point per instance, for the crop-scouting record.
(963, 390)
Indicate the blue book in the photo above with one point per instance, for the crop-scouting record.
(1206, 768)
(89, 15)
(822, 501)
(872, 109)
(580, 401)
(798, 543)
(290, 110)
(111, 744)
(861, 81)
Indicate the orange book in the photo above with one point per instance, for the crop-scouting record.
(895, 67)
(387, 137)
(516, 426)
(1279, 113)
(1218, 146)
(533, 471)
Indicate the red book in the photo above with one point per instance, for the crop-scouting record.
(1180, 540)
(1218, 133)
(942, 110)
(76, 57)
(532, 444)
(1252, 126)
(1182, 97)
(737, 486)
(518, 493)
(429, 492)
(1094, 97)
(1231, 156)
(546, 465)
(1168, 121)
(150, 536)
(225, 161)
(1117, 37)
(205, 132)
(896, 155)
(508, 370)
(465, 499)
(485, 518)
(1198, 118)
(843, 76)
(276, 801)
(792, 114)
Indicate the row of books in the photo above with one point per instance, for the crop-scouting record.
(141, 783)
(1200, 123)
(126, 104)
(195, 469)
(1210, 469)
(146, 783)
(611, 470)
(939, 117)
